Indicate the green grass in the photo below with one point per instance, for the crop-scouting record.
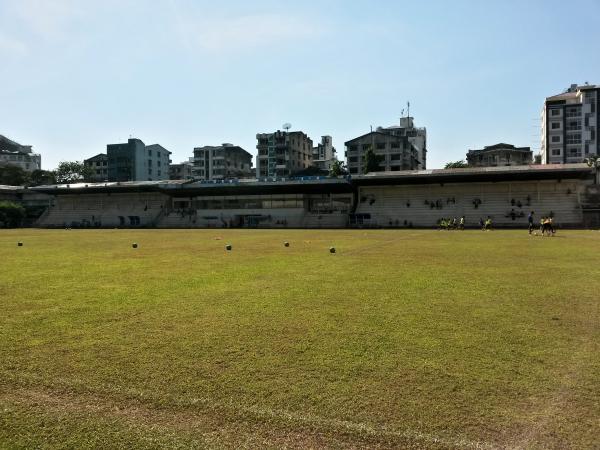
(410, 339)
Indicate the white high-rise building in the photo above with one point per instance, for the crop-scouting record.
(570, 124)
(324, 154)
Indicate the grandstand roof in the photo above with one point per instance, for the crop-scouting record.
(8, 188)
(225, 187)
(477, 174)
(330, 185)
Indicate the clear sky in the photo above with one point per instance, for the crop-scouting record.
(76, 75)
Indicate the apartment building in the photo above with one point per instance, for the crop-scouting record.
(15, 154)
(324, 155)
(99, 167)
(396, 151)
(570, 123)
(182, 171)
(417, 136)
(220, 162)
(135, 161)
(499, 155)
(283, 153)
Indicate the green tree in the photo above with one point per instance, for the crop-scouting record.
(456, 165)
(338, 169)
(11, 214)
(72, 172)
(40, 177)
(371, 161)
(13, 176)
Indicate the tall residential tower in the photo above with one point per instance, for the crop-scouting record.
(570, 124)
(283, 153)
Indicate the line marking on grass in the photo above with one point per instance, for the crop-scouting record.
(146, 414)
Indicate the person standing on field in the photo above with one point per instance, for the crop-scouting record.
(530, 220)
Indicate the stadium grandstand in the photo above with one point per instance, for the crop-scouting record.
(567, 192)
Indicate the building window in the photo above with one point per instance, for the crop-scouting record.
(555, 112)
(149, 152)
(573, 112)
(574, 138)
(366, 146)
(574, 125)
(555, 152)
(149, 163)
(380, 145)
(395, 144)
(555, 138)
(555, 125)
(353, 148)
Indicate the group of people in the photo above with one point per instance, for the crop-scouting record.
(452, 224)
(546, 225)
(485, 225)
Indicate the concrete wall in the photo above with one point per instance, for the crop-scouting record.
(507, 203)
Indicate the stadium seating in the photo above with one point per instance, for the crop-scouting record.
(106, 210)
(397, 206)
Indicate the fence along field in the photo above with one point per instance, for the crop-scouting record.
(413, 339)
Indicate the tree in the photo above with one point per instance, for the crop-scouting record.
(371, 161)
(40, 177)
(456, 165)
(11, 214)
(72, 172)
(337, 169)
(594, 162)
(13, 176)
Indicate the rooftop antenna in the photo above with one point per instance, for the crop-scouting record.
(286, 126)
(407, 109)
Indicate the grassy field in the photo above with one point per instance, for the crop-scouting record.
(407, 339)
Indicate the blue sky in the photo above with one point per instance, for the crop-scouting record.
(76, 75)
